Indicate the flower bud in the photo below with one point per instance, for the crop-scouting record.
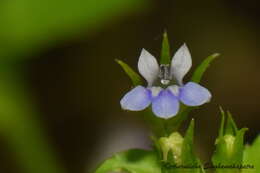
(172, 145)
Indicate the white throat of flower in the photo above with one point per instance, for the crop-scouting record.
(165, 74)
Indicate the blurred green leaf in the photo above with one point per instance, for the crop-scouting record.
(135, 78)
(198, 73)
(131, 161)
(29, 25)
(20, 127)
(252, 157)
(165, 52)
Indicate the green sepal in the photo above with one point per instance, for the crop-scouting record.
(200, 70)
(188, 156)
(251, 157)
(171, 145)
(131, 161)
(231, 127)
(165, 52)
(239, 146)
(222, 124)
(135, 77)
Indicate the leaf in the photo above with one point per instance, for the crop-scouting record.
(28, 25)
(198, 73)
(251, 157)
(165, 52)
(135, 78)
(20, 127)
(131, 161)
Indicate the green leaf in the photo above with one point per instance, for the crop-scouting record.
(135, 78)
(197, 75)
(165, 52)
(131, 161)
(251, 157)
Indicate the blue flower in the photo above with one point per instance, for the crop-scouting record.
(165, 89)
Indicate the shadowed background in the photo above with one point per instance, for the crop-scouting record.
(60, 86)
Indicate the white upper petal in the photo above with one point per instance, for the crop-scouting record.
(148, 67)
(181, 63)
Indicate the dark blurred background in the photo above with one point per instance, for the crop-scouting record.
(60, 86)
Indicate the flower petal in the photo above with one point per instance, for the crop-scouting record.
(148, 67)
(181, 63)
(155, 91)
(174, 89)
(137, 99)
(193, 94)
(165, 105)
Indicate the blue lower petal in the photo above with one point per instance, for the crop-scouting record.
(137, 99)
(165, 105)
(193, 94)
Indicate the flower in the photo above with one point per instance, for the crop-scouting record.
(165, 89)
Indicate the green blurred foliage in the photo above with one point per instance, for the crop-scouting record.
(252, 157)
(28, 25)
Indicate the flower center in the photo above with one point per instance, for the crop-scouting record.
(165, 74)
